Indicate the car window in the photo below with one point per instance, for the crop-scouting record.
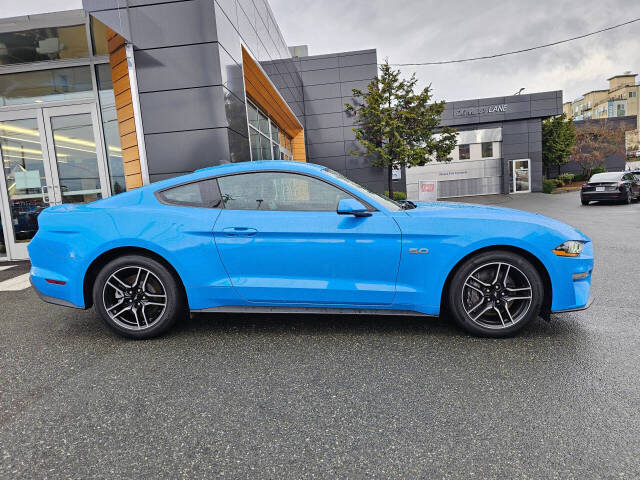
(278, 191)
(203, 194)
(606, 177)
(386, 202)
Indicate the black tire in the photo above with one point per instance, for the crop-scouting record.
(520, 273)
(629, 197)
(584, 202)
(146, 318)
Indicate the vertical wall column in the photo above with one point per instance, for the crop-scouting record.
(124, 109)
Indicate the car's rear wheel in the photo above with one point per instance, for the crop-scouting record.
(138, 297)
(584, 202)
(495, 294)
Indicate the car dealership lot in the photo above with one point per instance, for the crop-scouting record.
(276, 396)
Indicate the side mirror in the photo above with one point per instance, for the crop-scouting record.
(351, 206)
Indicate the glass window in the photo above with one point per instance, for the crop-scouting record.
(252, 112)
(41, 44)
(277, 191)
(110, 127)
(464, 151)
(203, 194)
(99, 36)
(263, 123)
(45, 85)
(487, 149)
(24, 168)
(388, 203)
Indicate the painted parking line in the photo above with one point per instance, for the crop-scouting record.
(5, 267)
(15, 284)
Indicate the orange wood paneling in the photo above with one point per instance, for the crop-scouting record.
(124, 109)
(125, 112)
(261, 91)
(129, 140)
(130, 154)
(127, 127)
(131, 168)
(120, 70)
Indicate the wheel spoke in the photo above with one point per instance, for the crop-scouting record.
(500, 315)
(144, 282)
(155, 303)
(495, 280)
(482, 313)
(474, 288)
(155, 295)
(518, 289)
(135, 282)
(506, 276)
(135, 314)
(127, 308)
(506, 308)
(116, 305)
(144, 315)
(121, 282)
(511, 299)
(479, 281)
(117, 289)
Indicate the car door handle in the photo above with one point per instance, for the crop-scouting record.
(239, 231)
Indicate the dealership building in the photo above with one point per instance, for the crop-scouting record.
(102, 96)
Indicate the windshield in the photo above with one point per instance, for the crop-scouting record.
(606, 177)
(388, 204)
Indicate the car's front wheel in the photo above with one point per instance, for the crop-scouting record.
(495, 294)
(138, 297)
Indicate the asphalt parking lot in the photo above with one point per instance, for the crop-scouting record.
(234, 396)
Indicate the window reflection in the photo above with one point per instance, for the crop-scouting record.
(41, 44)
(110, 127)
(268, 141)
(45, 85)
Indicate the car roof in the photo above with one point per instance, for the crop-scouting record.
(239, 167)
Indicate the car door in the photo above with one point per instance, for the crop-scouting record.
(282, 241)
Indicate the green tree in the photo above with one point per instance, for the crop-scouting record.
(558, 137)
(398, 126)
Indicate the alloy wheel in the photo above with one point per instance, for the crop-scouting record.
(497, 295)
(134, 297)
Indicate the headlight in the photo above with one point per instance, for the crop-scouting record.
(571, 248)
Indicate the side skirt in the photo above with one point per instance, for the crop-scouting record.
(312, 310)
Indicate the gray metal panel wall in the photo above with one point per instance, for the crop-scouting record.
(328, 81)
(191, 88)
(521, 122)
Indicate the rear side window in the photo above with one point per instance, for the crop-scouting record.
(203, 194)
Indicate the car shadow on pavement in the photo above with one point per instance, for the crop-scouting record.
(311, 324)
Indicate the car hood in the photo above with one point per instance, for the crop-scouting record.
(490, 213)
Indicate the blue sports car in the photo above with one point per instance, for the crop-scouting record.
(279, 236)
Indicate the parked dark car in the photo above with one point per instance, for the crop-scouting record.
(614, 186)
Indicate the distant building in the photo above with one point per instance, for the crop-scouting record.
(619, 100)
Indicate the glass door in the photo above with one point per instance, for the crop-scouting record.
(26, 180)
(520, 176)
(50, 156)
(77, 162)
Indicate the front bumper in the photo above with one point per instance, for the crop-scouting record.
(576, 309)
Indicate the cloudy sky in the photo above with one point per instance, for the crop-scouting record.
(432, 30)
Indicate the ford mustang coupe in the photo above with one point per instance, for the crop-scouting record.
(277, 236)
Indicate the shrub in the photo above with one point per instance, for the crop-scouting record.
(566, 178)
(579, 177)
(598, 170)
(396, 195)
(548, 185)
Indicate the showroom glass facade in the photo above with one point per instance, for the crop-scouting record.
(59, 142)
(268, 140)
